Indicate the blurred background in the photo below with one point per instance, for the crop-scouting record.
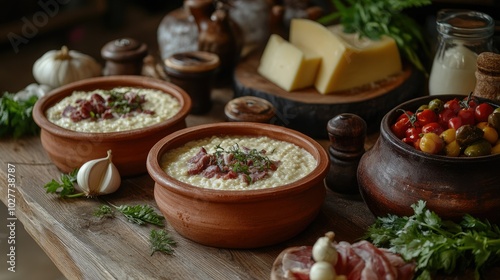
(86, 26)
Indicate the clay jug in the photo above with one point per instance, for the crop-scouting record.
(217, 33)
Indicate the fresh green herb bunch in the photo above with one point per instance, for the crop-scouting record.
(16, 116)
(374, 18)
(439, 246)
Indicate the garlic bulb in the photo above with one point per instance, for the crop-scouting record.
(59, 67)
(323, 249)
(322, 271)
(98, 177)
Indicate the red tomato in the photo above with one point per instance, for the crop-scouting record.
(455, 123)
(426, 116)
(482, 111)
(472, 102)
(444, 116)
(467, 116)
(413, 133)
(453, 105)
(399, 128)
(432, 127)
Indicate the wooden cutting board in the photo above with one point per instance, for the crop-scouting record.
(309, 111)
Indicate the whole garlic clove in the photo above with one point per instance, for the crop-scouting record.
(323, 249)
(98, 177)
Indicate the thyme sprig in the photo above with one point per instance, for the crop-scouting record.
(374, 18)
(161, 241)
(138, 214)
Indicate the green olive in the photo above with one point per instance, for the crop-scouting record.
(436, 105)
(478, 148)
(494, 120)
(468, 134)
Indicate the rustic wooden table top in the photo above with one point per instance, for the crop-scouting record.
(85, 247)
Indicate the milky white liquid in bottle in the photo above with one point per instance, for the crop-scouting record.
(454, 72)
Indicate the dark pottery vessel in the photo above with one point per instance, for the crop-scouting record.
(393, 175)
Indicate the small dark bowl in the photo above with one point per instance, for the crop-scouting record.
(393, 175)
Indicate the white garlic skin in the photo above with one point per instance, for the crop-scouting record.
(98, 177)
(322, 271)
(323, 249)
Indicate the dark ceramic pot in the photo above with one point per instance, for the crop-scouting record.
(393, 175)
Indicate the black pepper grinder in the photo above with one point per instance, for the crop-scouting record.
(347, 133)
(124, 57)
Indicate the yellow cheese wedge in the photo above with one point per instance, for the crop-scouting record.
(347, 60)
(288, 66)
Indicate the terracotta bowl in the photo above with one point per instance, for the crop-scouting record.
(239, 219)
(393, 175)
(70, 149)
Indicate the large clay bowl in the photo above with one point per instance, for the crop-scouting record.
(70, 149)
(393, 175)
(239, 219)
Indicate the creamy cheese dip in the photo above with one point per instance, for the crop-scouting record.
(162, 104)
(295, 162)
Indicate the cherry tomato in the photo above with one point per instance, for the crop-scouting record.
(470, 102)
(448, 135)
(432, 127)
(455, 123)
(482, 111)
(413, 133)
(426, 116)
(444, 117)
(399, 128)
(453, 105)
(467, 116)
(431, 143)
(490, 134)
(452, 149)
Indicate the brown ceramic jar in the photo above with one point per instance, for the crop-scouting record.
(194, 72)
(488, 76)
(124, 57)
(249, 109)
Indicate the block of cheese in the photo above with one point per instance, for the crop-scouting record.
(347, 60)
(288, 66)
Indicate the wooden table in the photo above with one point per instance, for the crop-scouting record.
(85, 247)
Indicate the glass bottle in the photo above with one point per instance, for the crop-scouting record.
(462, 35)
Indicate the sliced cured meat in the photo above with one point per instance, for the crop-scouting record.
(357, 261)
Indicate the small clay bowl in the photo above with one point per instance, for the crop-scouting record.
(71, 149)
(393, 175)
(239, 219)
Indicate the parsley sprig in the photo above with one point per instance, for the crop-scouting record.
(138, 214)
(439, 246)
(65, 187)
(374, 18)
(16, 116)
